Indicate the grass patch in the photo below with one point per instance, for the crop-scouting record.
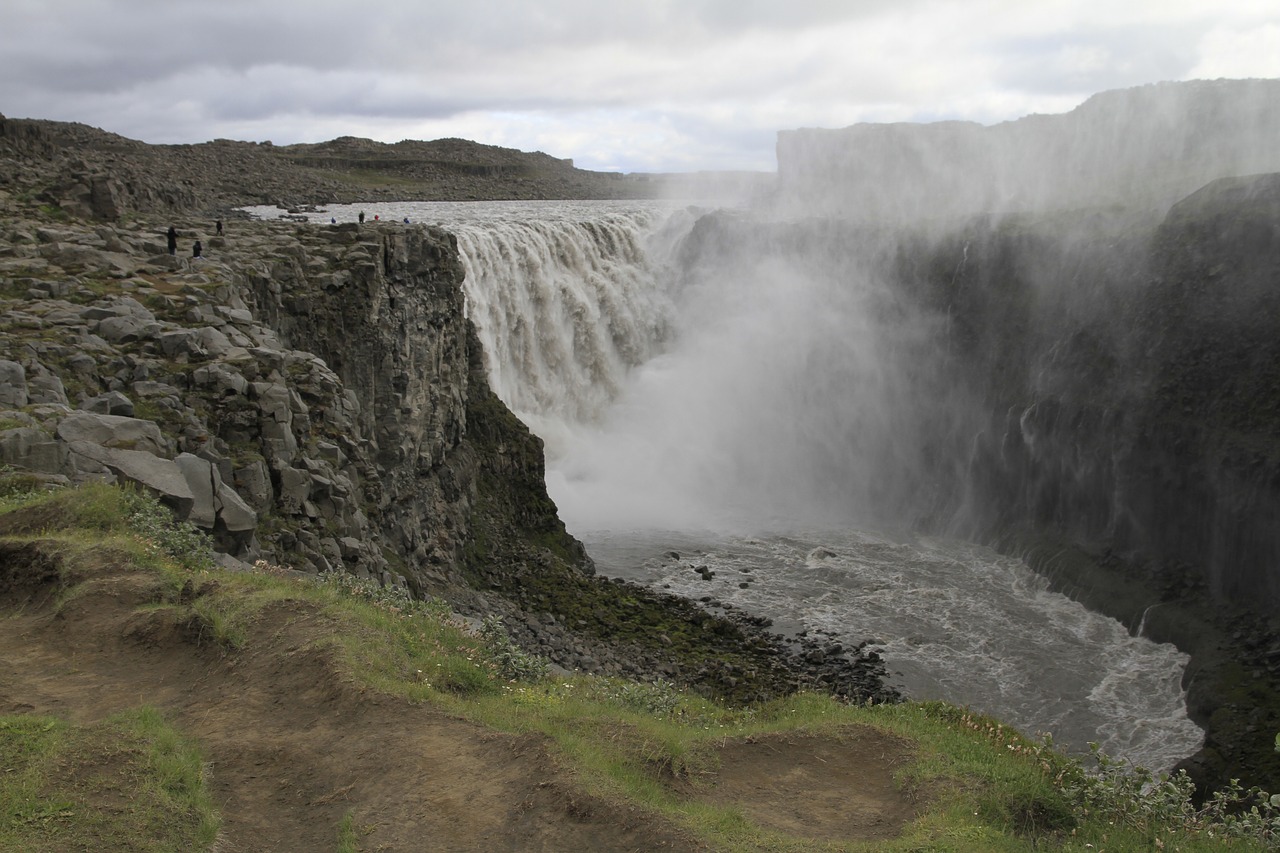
(132, 782)
(100, 510)
(348, 837)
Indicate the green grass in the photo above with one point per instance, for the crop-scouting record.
(132, 779)
(982, 786)
(348, 837)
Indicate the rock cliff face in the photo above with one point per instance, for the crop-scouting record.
(311, 396)
(1131, 375)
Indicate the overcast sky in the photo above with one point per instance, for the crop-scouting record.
(629, 85)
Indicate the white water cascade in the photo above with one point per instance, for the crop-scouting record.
(762, 415)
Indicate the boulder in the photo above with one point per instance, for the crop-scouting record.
(13, 385)
(123, 306)
(294, 489)
(203, 481)
(235, 515)
(44, 386)
(225, 380)
(254, 482)
(127, 329)
(205, 342)
(32, 449)
(111, 403)
(214, 500)
(160, 476)
(113, 431)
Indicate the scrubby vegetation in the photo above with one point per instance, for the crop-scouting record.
(132, 780)
(977, 784)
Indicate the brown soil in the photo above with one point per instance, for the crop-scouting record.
(294, 744)
(817, 787)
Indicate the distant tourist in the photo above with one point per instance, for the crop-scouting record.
(362, 217)
(375, 217)
(173, 240)
(406, 220)
(196, 249)
(333, 220)
(218, 227)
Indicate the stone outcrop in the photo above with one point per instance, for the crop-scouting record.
(303, 394)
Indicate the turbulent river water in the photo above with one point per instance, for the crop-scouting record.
(748, 423)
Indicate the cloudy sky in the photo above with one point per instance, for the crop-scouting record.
(629, 85)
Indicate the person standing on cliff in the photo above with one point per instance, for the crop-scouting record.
(217, 227)
(173, 240)
(196, 249)
(362, 217)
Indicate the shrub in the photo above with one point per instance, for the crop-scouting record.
(180, 540)
(513, 662)
(1134, 796)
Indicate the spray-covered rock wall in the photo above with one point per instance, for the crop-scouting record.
(1142, 147)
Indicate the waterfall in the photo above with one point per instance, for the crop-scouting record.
(565, 309)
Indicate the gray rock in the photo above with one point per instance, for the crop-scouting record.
(221, 378)
(295, 487)
(124, 306)
(13, 385)
(127, 329)
(235, 515)
(111, 403)
(160, 476)
(253, 481)
(32, 449)
(203, 481)
(206, 342)
(235, 315)
(113, 431)
(231, 564)
(147, 388)
(44, 386)
(273, 401)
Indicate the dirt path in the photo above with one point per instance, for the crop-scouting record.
(293, 746)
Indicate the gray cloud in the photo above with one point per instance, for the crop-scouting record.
(654, 85)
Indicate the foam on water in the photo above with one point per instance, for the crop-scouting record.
(953, 621)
